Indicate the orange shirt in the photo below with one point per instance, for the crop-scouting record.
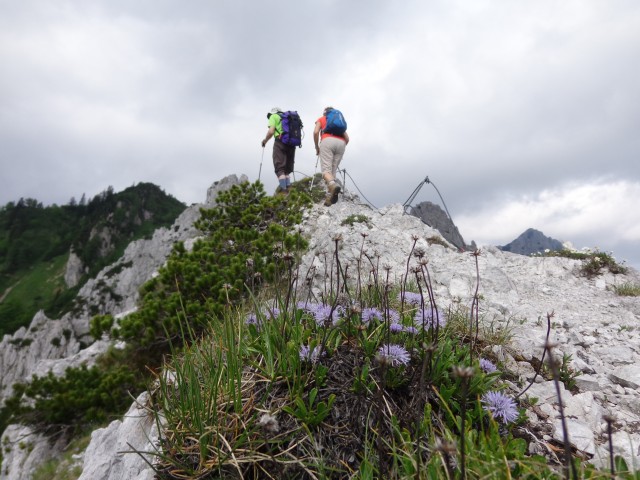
(323, 123)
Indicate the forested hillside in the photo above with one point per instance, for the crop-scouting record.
(35, 242)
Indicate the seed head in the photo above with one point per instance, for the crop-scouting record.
(269, 423)
(462, 372)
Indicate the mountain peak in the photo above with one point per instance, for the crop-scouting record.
(532, 241)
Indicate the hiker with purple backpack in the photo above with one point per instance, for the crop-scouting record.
(330, 137)
(286, 128)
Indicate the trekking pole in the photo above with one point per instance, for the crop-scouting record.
(314, 172)
(261, 159)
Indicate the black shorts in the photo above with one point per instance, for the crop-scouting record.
(283, 158)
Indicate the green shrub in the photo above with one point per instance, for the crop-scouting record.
(597, 262)
(438, 240)
(593, 262)
(81, 398)
(351, 220)
(314, 187)
(248, 237)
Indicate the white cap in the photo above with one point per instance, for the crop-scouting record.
(275, 110)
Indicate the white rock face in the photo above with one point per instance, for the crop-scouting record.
(24, 451)
(21, 352)
(73, 270)
(106, 459)
(592, 325)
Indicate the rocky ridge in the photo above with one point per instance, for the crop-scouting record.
(592, 326)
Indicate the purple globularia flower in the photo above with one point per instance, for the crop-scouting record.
(394, 316)
(411, 330)
(487, 366)
(428, 318)
(252, 319)
(394, 355)
(370, 314)
(411, 297)
(321, 313)
(309, 355)
(396, 328)
(502, 407)
(307, 306)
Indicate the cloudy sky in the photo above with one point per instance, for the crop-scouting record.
(522, 114)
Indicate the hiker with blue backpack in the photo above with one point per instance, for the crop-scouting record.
(331, 137)
(286, 128)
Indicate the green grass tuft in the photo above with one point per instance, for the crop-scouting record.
(351, 220)
(628, 289)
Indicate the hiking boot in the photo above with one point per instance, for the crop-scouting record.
(327, 201)
(334, 190)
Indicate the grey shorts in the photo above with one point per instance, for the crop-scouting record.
(331, 152)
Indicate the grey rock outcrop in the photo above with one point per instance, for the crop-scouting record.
(106, 458)
(24, 451)
(21, 352)
(222, 185)
(437, 218)
(73, 270)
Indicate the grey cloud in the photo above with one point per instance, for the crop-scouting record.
(492, 103)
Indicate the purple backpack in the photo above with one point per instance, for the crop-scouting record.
(291, 128)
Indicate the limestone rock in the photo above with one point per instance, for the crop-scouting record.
(580, 435)
(24, 451)
(588, 383)
(73, 270)
(437, 218)
(21, 352)
(625, 445)
(222, 185)
(627, 376)
(111, 453)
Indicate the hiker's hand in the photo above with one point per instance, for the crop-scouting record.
(264, 142)
(317, 150)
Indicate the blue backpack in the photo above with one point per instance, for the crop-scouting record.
(291, 128)
(336, 124)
